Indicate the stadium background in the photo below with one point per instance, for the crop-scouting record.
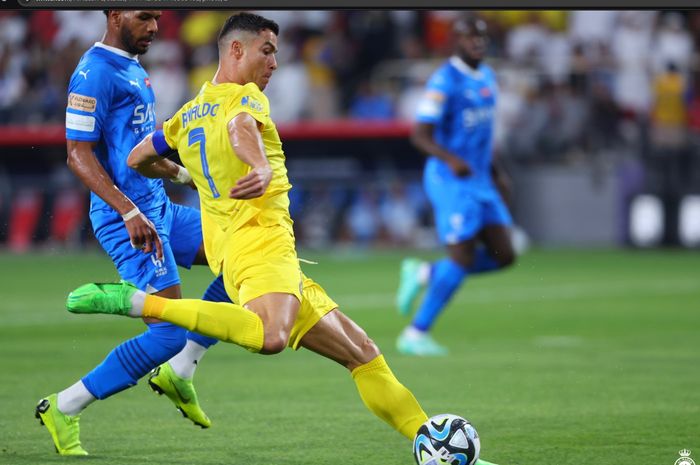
(585, 352)
(596, 107)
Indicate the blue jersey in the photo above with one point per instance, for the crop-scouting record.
(460, 101)
(110, 101)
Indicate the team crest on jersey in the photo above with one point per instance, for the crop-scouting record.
(82, 102)
(248, 101)
(161, 269)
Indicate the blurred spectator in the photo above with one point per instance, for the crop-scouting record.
(13, 28)
(12, 84)
(362, 219)
(371, 103)
(398, 215)
(669, 161)
(592, 30)
(164, 62)
(323, 89)
(672, 44)
(631, 43)
(526, 42)
(669, 112)
(85, 27)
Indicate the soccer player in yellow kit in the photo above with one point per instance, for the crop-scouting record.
(231, 148)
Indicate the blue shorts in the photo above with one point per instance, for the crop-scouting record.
(180, 230)
(462, 212)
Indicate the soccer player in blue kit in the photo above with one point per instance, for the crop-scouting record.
(111, 108)
(454, 128)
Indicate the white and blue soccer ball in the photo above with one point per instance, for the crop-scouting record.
(446, 439)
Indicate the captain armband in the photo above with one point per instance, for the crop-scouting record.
(161, 146)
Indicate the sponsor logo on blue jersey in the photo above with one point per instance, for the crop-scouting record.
(472, 117)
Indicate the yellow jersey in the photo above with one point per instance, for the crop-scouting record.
(199, 132)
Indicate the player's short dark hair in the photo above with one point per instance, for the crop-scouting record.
(470, 24)
(247, 22)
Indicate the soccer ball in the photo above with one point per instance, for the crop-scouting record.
(446, 439)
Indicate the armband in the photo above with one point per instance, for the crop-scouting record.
(161, 146)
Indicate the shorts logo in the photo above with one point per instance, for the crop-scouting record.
(161, 270)
(82, 102)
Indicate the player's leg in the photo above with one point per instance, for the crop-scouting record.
(338, 338)
(270, 288)
(446, 276)
(188, 248)
(496, 235)
(174, 378)
(129, 361)
(187, 244)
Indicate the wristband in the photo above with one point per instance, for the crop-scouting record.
(131, 214)
(182, 177)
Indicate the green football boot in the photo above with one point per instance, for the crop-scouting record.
(409, 285)
(422, 346)
(64, 429)
(110, 298)
(180, 391)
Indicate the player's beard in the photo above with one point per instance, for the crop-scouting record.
(131, 43)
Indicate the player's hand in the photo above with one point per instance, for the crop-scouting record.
(459, 167)
(143, 235)
(253, 184)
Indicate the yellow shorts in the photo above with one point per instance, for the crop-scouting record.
(263, 260)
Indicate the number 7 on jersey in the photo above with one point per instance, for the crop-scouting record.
(195, 136)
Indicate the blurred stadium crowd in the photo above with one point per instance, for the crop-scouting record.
(575, 86)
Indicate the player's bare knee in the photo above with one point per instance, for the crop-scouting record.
(275, 342)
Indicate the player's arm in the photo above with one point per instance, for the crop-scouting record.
(246, 140)
(422, 139)
(83, 163)
(149, 159)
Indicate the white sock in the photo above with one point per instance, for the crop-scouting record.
(73, 400)
(184, 363)
(137, 301)
(424, 273)
(413, 333)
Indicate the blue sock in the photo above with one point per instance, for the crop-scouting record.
(216, 292)
(483, 262)
(445, 278)
(132, 359)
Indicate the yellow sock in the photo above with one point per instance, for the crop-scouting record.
(224, 321)
(387, 398)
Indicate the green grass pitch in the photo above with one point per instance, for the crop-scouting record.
(570, 358)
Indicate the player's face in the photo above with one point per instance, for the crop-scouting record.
(137, 30)
(260, 61)
(471, 46)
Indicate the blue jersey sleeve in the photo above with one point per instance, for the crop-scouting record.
(89, 98)
(432, 105)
